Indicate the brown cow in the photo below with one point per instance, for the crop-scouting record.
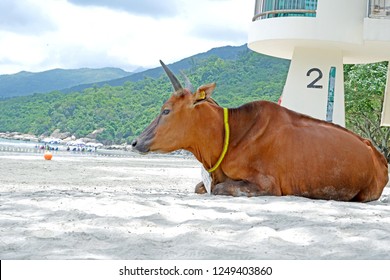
(271, 150)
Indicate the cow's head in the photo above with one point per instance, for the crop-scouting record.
(174, 127)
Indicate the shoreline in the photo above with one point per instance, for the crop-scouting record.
(20, 146)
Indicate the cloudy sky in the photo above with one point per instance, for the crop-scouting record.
(37, 35)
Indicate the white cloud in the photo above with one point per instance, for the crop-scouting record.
(87, 33)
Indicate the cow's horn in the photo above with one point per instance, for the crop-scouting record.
(175, 82)
(187, 82)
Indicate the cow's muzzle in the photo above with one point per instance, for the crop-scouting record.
(140, 146)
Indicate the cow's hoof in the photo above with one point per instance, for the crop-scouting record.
(200, 188)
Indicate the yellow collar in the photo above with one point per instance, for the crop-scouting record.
(226, 143)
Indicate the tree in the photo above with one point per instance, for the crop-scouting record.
(364, 92)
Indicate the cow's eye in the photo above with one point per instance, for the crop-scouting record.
(166, 111)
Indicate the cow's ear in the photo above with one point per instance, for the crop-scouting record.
(203, 93)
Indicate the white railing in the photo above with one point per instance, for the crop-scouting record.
(283, 13)
(277, 8)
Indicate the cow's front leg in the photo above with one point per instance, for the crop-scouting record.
(200, 188)
(239, 188)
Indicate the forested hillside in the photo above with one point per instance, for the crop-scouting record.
(124, 111)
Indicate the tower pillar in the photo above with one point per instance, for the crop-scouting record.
(386, 102)
(315, 84)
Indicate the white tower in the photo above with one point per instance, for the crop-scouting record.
(319, 36)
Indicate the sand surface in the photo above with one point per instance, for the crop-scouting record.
(86, 207)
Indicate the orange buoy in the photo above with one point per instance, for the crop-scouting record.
(48, 155)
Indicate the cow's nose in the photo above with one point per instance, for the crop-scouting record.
(134, 143)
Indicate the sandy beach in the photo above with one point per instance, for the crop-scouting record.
(89, 207)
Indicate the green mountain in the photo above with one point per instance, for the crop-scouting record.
(27, 83)
(225, 53)
(122, 111)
